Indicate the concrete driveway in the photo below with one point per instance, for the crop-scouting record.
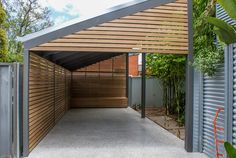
(109, 133)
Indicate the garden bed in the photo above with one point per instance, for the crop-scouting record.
(169, 122)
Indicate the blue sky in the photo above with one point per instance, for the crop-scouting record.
(64, 10)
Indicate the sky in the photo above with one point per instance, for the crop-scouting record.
(64, 10)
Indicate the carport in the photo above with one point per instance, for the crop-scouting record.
(83, 63)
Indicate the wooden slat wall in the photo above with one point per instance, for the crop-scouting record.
(68, 89)
(60, 92)
(44, 85)
(161, 29)
(100, 85)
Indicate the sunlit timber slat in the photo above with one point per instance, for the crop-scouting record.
(162, 29)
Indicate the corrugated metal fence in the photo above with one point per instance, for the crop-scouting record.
(211, 93)
(197, 115)
(213, 99)
(234, 94)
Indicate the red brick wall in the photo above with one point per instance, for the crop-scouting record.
(133, 65)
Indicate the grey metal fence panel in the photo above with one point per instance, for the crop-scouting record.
(197, 115)
(213, 98)
(10, 105)
(5, 111)
(234, 94)
(154, 93)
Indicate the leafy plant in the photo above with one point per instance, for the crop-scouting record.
(231, 151)
(223, 30)
(207, 56)
(208, 60)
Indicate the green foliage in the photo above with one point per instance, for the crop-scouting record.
(231, 151)
(3, 39)
(24, 17)
(223, 30)
(2, 14)
(208, 61)
(207, 56)
(170, 69)
(15, 57)
(229, 6)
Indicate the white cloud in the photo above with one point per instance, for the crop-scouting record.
(60, 19)
(81, 7)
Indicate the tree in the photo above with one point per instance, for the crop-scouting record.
(24, 17)
(170, 69)
(3, 38)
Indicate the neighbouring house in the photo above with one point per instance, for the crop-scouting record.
(133, 65)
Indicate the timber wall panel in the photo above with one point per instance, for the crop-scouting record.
(60, 92)
(41, 99)
(100, 85)
(162, 29)
(68, 89)
(48, 97)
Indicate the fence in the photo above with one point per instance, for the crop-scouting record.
(10, 107)
(211, 93)
(154, 92)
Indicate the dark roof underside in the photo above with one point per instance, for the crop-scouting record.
(75, 60)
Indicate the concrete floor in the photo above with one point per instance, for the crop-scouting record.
(109, 133)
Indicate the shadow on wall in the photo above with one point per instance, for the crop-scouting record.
(154, 92)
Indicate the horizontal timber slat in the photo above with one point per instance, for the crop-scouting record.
(106, 50)
(162, 29)
(45, 80)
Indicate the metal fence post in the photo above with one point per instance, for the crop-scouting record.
(5, 110)
(143, 96)
(26, 106)
(189, 84)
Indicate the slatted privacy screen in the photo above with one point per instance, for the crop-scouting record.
(100, 85)
(60, 93)
(47, 97)
(41, 99)
(162, 29)
(68, 88)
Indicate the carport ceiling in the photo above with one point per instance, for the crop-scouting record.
(75, 60)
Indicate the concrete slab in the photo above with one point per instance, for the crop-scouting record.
(109, 133)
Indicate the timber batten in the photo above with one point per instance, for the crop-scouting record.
(48, 97)
(162, 29)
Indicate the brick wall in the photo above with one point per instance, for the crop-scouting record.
(133, 65)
